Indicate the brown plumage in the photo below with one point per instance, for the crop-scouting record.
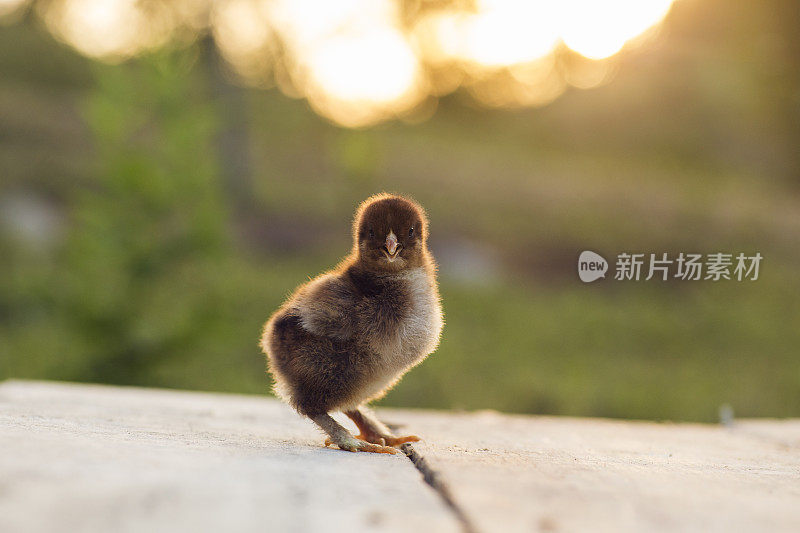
(347, 336)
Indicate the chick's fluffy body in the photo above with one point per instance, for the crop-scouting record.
(347, 336)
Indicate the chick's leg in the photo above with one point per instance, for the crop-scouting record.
(373, 430)
(343, 439)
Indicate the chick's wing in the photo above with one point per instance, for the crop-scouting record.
(327, 307)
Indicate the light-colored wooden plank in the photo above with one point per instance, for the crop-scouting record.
(523, 473)
(98, 459)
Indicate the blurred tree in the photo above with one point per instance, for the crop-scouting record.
(153, 223)
(233, 132)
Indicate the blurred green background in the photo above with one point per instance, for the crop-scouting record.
(154, 212)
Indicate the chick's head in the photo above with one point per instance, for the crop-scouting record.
(389, 233)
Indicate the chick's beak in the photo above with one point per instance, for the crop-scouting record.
(391, 243)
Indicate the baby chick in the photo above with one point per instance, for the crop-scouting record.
(347, 336)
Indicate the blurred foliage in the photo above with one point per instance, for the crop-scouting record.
(133, 284)
(159, 254)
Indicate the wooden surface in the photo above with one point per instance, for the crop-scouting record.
(97, 458)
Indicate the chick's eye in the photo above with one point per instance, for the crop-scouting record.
(411, 232)
(371, 233)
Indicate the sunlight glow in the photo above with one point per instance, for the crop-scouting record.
(98, 28)
(362, 76)
(245, 38)
(10, 7)
(508, 32)
(375, 67)
(109, 29)
(360, 62)
(114, 30)
(600, 29)
(524, 38)
(350, 58)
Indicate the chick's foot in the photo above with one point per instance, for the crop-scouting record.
(352, 444)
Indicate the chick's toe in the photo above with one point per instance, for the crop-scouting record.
(387, 440)
(353, 444)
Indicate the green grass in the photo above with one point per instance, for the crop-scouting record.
(640, 351)
(631, 350)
